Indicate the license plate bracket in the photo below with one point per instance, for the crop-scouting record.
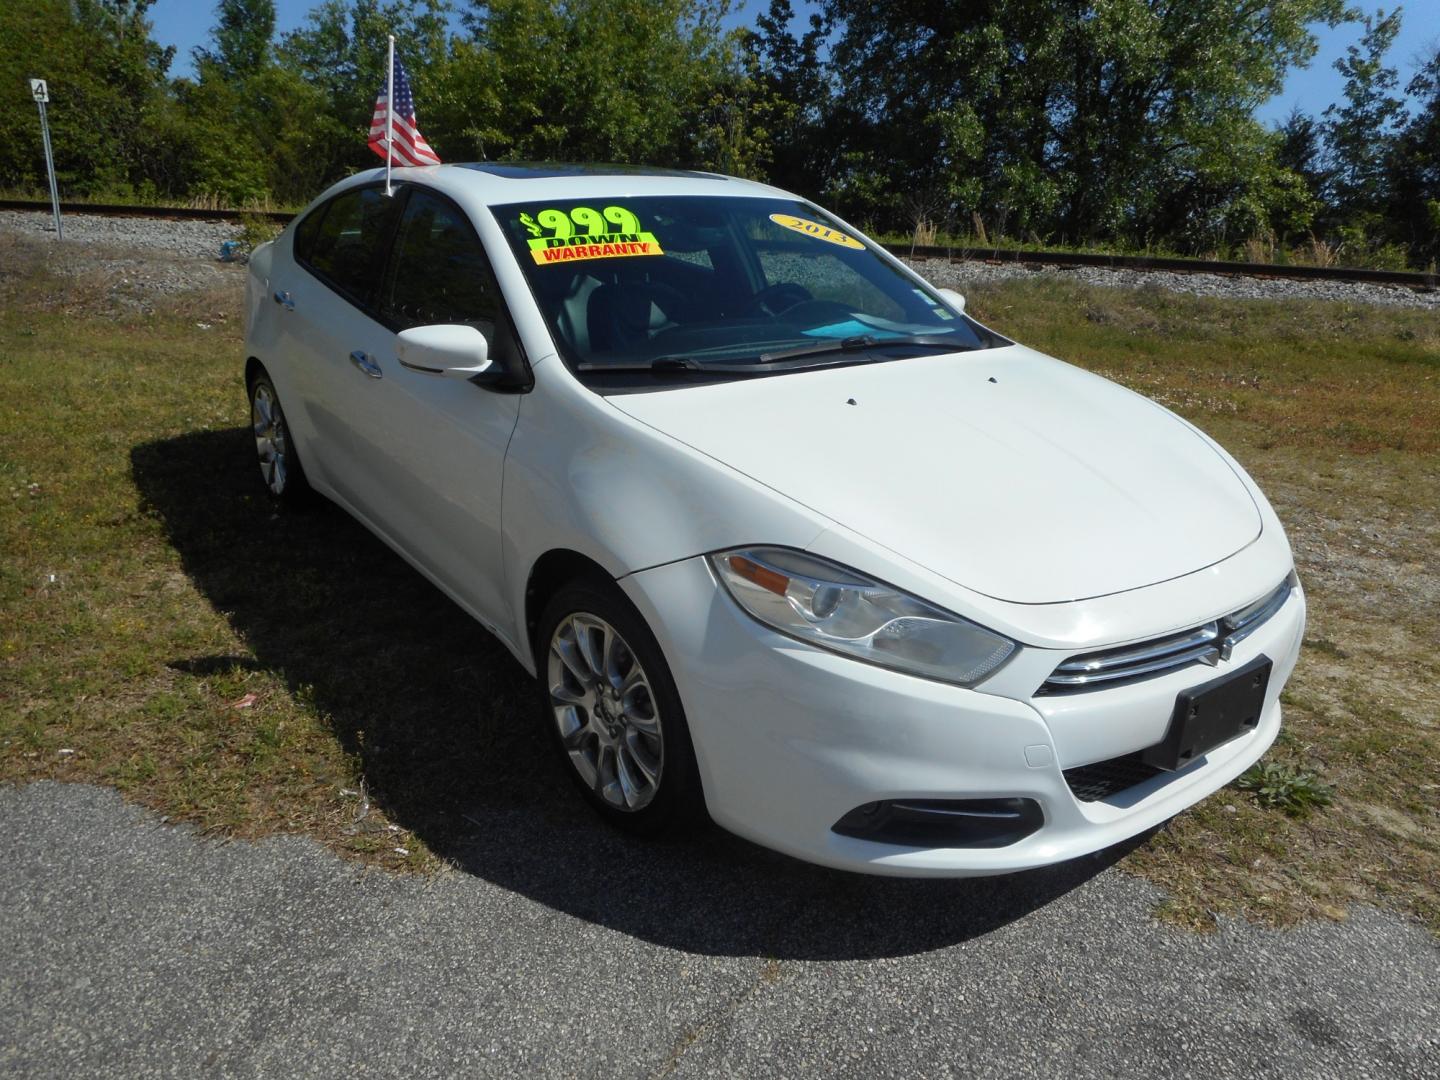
(1211, 715)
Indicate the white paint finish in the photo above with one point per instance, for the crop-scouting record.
(585, 477)
(1048, 505)
(795, 737)
(434, 461)
(456, 352)
(1045, 485)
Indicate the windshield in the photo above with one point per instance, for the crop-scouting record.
(680, 286)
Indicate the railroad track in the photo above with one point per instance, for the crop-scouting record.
(1424, 282)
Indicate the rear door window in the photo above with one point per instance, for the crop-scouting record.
(348, 245)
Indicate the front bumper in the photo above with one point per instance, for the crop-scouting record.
(790, 738)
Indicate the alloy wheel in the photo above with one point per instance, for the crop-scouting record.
(272, 442)
(605, 711)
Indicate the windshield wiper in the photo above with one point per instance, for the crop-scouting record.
(765, 362)
(661, 365)
(680, 365)
(859, 343)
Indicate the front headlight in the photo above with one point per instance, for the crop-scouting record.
(840, 609)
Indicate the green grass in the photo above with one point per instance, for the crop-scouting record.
(164, 631)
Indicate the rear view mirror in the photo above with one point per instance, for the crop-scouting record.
(450, 349)
(953, 298)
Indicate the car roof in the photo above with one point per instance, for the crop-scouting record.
(499, 183)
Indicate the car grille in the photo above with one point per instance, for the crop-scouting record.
(1091, 783)
(1206, 644)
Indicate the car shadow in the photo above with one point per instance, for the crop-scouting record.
(445, 725)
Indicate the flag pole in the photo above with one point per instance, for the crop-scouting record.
(389, 112)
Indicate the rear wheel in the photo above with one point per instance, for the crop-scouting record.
(611, 709)
(280, 467)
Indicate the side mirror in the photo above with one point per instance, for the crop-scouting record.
(450, 349)
(953, 298)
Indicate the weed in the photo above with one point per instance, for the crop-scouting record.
(1277, 786)
(257, 229)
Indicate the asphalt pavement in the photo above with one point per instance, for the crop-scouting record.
(132, 948)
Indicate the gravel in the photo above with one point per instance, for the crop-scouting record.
(130, 948)
(200, 240)
(128, 264)
(963, 275)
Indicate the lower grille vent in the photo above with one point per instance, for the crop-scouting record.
(1102, 779)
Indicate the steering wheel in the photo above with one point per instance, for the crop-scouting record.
(777, 299)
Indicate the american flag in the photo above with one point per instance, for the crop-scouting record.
(410, 146)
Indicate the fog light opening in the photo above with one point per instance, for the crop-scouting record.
(943, 823)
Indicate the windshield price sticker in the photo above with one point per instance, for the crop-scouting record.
(815, 229)
(584, 233)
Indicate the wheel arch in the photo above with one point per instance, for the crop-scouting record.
(548, 574)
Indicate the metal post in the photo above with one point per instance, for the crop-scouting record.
(40, 92)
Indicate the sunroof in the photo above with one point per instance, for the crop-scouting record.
(537, 170)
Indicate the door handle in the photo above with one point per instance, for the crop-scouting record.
(365, 364)
(284, 299)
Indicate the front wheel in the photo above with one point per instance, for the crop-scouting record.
(612, 711)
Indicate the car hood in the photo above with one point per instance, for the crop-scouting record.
(1007, 472)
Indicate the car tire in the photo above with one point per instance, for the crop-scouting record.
(611, 711)
(280, 469)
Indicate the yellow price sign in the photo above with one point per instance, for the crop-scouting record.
(586, 233)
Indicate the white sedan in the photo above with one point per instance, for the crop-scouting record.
(784, 535)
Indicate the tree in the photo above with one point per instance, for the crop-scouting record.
(789, 90)
(341, 53)
(320, 91)
(587, 80)
(1413, 169)
(242, 37)
(1300, 149)
(1359, 134)
(107, 83)
(1079, 117)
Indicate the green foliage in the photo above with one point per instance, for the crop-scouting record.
(1283, 787)
(1085, 120)
(107, 91)
(242, 37)
(341, 53)
(1359, 132)
(1413, 169)
(1124, 123)
(257, 229)
(589, 80)
(786, 98)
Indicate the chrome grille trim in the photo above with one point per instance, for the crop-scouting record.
(1246, 621)
(1093, 663)
(1207, 644)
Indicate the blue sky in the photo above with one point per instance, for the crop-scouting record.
(186, 24)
